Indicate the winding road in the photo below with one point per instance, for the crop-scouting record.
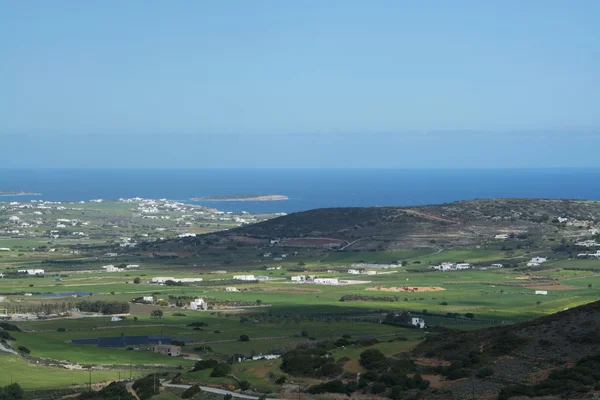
(215, 390)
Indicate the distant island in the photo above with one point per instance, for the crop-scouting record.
(248, 197)
(17, 193)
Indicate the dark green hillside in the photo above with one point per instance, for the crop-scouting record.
(530, 357)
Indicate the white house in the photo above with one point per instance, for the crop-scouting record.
(116, 319)
(370, 272)
(462, 266)
(354, 271)
(562, 219)
(244, 277)
(4, 249)
(111, 268)
(132, 266)
(496, 265)
(419, 322)
(535, 261)
(149, 299)
(266, 357)
(541, 292)
(299, 278)
(327, 281)
(198, 304)
(502, 236)
(444, 267)
(231, 289)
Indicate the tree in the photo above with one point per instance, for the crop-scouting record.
(244, 385)
(304, 333)
(137, 281)
(470, 315)
(221, 370)
(373, 359)
(378, 387)
(259, 301)
(244, 338)
(156, 313)
(11, 392)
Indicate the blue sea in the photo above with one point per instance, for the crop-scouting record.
(306, 188)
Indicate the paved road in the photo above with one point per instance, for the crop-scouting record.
(215, 390)
(6, 349)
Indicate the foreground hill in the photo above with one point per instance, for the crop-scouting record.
(554, 355)
(458, 223)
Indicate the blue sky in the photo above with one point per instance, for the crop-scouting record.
(304, 83)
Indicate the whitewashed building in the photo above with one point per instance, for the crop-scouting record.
(418, 322)
(198, 304)
(244, 277)
(327, 281)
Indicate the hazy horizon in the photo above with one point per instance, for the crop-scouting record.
(341, 84)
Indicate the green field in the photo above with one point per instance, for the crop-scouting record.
(276, 314)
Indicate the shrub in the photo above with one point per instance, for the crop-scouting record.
(220, 370)
(6, 336)
(336, 386)
(484, 372)
(244, 338)
(145, 386)
(330, 370)
(308, 362)
(12, 392)
(373, 359)
(205, 364)
(198, 324)
(24, 349)
(281, 380)
(190, 392)
(378, 387)
(244, 385)
(9, 327)
(370, 375)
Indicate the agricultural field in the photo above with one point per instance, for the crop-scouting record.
(270, 315)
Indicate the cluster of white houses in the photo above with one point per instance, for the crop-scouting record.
(447, 266)
(361, 271)
(587, 243)
(315, 280)
(31, 271)
(589, 255)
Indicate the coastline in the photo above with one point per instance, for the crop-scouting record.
(271, 197)
(14, 194)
